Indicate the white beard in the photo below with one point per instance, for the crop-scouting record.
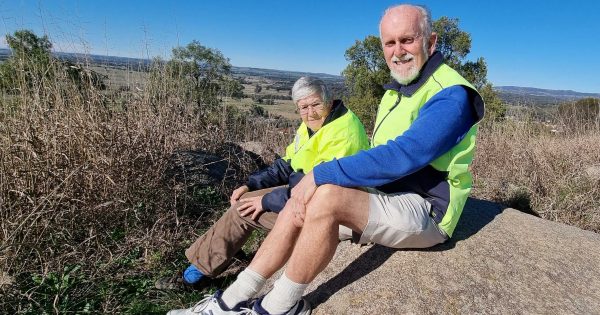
(412, 74)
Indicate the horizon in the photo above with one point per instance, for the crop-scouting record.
(321, 73)
(298, 38)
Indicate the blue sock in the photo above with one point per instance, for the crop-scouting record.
(192, 275)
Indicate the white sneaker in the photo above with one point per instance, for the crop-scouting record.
(213, 305)
(301, 307)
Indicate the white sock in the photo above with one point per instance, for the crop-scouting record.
(246, 286)
(285, 294)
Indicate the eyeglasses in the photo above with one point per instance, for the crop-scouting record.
(315, 108)
(404, 41)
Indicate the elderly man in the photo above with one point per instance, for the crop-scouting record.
(328, 130)
(416, 173)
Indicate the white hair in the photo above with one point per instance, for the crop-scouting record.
(424, 22)
(306, 86)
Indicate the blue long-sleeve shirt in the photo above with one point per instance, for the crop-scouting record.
(441, 124)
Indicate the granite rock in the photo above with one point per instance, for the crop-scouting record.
(500, 261)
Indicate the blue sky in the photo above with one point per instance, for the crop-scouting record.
(545, 44)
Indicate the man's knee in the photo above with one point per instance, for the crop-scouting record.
(325, 202)
(286, 216)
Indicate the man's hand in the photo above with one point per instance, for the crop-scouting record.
(301, 195)
(305, 189)
(237, 193)
(298, 209)
(252, 205)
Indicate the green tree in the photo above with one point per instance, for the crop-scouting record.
(233, 88)
(455, 45)
(204, 69)
(32, 69)
(364, 77)
(25, 42)
(29, 63)
(367, 71)
(494, 108)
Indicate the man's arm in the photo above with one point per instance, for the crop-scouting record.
(442, 123)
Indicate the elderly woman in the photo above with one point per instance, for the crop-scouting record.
(329, 130)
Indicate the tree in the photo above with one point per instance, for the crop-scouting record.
(25, 42)
(204, 69)
(455, 45)
(29, 63)
(233, 88)
(367, 71)
(364, 77)
(32, 69)
(257, 88)
(494, 108)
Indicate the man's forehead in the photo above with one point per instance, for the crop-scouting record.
(400, 19)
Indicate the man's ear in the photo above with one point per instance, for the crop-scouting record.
(432, 43)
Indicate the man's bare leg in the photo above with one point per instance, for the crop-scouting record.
(271, 256)
(277, 247)
(308, 249)
(329, 207)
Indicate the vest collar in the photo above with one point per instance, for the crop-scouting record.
(428, 69)
(337, 110)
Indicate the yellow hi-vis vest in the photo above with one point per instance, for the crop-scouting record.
(340, 137)
(456, 161)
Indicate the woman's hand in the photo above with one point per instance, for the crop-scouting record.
(252, 205)
(237, 193)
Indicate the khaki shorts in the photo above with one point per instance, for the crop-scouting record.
(400, 220)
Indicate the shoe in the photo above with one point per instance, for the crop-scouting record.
(192, 274)
(213, 305)
(301, 307)
(177, 282)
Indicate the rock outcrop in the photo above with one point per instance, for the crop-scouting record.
(500, 261)
(227, 167)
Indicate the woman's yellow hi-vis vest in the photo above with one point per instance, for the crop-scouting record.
(341, 137)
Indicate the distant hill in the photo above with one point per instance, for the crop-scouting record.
(110, 61)
(514, 95)
(518, 95)
(283, 74)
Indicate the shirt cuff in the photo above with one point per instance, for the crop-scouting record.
(324, 173)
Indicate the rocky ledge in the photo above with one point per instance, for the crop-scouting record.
(500, 261)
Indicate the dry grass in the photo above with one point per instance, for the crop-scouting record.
(88, 219)
(527, 167)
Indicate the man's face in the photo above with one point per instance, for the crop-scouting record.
(404, 47)
(313, 111)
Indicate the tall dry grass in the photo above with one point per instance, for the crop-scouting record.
(525, 165)
(88, 218)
